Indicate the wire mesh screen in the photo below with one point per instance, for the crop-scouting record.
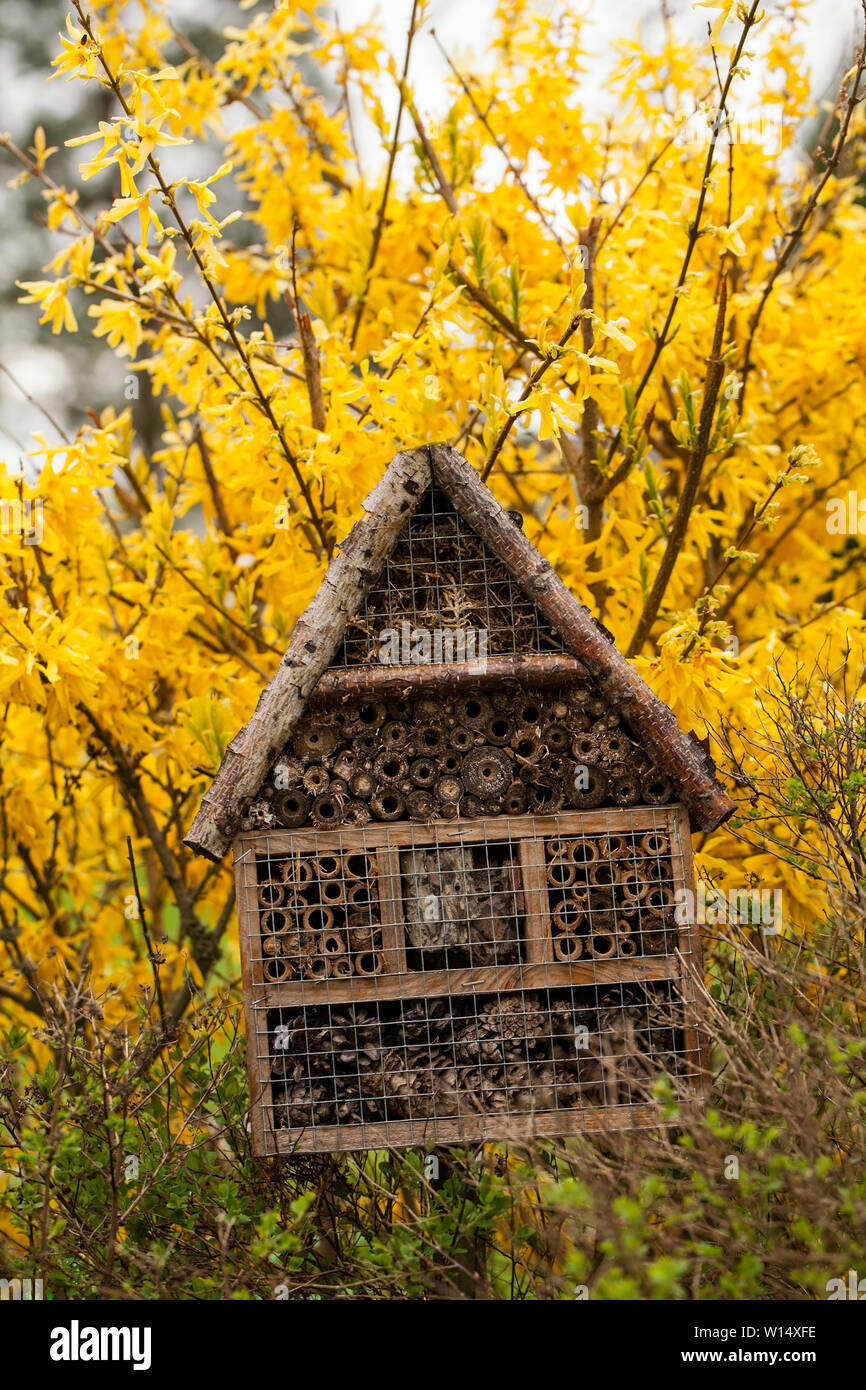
(442, 576)
(466, 979)
(362, 762)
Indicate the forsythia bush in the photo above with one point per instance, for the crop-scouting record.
(643, 328)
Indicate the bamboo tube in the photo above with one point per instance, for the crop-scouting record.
(315, 968)
(556, 738)
(601, 899)
(626, 945)
(370, 963)
(390, 767)
(275, 921)
(499, 730)
(658, 897)
(601, 874)
(328, 866)
(297, 871)
(630, 902)
(316, 779)
(628, 923)
(332, 892)
(584, 851)
(359, 895)
(429, 739)
(614, 746)
(602, 945)
(587, 797)
(461, 739)
(272, 946)
(627, 890)
(423, 772)
(584, 748)
(331, 943)
(658, 939)
(362, 784)
(360, 866)
(656, 788)
(514, 801)
(327, 811)
(527, 746)
(449, 789)
(291, 807)
(473, 710)
(318, 918)
(394, 735)
(370, 716)
(387, 804)
(567, 946)
(655, 844)
(567, 916)
(561, 873)
(296, 906)
(554, 766)
(421, 805)
(559, 849)
(339, 967)
(364, 938)
(272, 894)
(618, 847)
(276, 969)
(624, 787)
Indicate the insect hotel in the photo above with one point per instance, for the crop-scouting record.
(460, 821)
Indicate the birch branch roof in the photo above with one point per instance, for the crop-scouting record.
(582, 645)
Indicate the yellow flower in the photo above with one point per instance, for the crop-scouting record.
(120, 321)
(52, 297)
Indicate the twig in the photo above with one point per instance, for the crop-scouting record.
(37, 405)
(502, 148)
(392, 155)
(263, 400)
(207, 464)
(153, 956)
(811, 203)
(695, 226)
(309, 349)
(715, 373)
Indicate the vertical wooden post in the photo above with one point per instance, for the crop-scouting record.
(539, 949)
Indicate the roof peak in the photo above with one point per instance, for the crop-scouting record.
(318, 634)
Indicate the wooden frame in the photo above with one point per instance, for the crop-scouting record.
(350, 576)
(539, 970)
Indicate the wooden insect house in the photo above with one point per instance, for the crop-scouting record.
(459, 820)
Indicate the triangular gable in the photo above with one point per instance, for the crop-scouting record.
(349, 588)
(441, 578)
